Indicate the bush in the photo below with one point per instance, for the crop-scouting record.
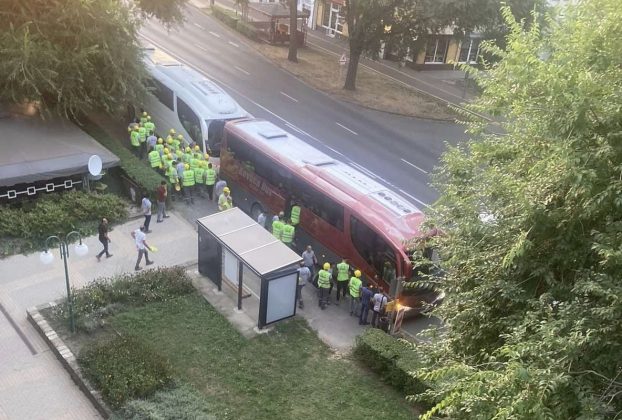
(247, 30)
(107, 296)
(59, 214)
(391, 358)
(125, 368)
(178, 403)
(228, 17)
(137, 170)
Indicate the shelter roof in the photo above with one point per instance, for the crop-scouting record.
(276, 10)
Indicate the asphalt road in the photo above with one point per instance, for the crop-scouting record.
(397, 151)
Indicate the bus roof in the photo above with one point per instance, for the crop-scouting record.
(382, 208)
(205, 97)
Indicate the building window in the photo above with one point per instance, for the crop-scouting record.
(469, 51)
(436, 50)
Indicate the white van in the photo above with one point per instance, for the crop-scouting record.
(185, 100)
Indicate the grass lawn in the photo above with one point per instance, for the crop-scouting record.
(285, 374)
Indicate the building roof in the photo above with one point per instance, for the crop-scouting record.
(276, 10)
(33, 149)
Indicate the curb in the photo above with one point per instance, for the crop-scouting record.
(66, 357)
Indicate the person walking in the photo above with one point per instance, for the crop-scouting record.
(140, 238)
(309, 259)
(142, 137)
(219, 187)
(355, 292)
(210, 180)
(199, 177)
(188, 182)
(135, 141)
(288, 233)
(343, 275)
(104, 239)
(155, 160)
(225, 202)
(303, 277)
(323, 283)
(367, 294)
(145, 206)
(261, 219)
(277, 226)
(380, 301)
(162, 193)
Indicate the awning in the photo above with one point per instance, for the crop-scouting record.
(33, 149)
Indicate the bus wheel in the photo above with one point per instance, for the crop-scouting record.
(256, 210)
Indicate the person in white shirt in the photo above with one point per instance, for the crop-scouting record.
(304, 275)
(261, 219)
(380, 301)
(145, 206)
(141, 245)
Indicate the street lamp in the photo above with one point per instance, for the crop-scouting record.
(47, 257)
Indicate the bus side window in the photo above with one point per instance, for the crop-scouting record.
(163, 93)
(372, 247)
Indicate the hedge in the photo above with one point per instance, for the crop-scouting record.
(247, 30)
(226, 16)
(392, 359)
(137, 170)
(125, 368)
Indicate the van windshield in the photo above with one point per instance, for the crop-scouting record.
(215, 129)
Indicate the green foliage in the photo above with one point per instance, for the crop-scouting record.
(532, 231)
(395, 360)
(136, 169)
(125, 368)
(247, 30)
(54, 214)
(169, 12)
(181, 402)
(106, 296)
(226, 15)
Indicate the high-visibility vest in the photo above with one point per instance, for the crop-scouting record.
(135, 138)
(154, 159)
(355, 284)
(223, 202)
(277, 229)
(176, 143)
(323, 279)
(194, 163)
(188, 178)
(150, 127)
(198, 175)
(343, 271)
(143, 119)
(187, 158)
(287, 234)
(295, 216)
(142, 134)
(210, 176)
(171, 173)
(160, 148)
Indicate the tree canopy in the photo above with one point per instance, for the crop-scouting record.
(532, 222)
(75, 55)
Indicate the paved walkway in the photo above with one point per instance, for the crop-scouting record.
(33, 385)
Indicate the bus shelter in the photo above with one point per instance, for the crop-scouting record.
(240, 256)
(272, 22)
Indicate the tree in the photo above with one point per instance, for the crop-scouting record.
(293, 31)
(75, 55)
(532, 222)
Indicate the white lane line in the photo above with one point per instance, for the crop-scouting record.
(293, 127)
(335, 151)
(242, 70)
(198, 26)
(234, 44)
(346, 128)
(415, 198)
(201, 47)
(364, 170)
(287, 96)
(414, 166)
(214, 34)
(242, 95)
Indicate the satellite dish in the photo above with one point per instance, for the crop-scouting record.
(95, 165)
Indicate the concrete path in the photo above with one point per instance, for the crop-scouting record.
(33, 385)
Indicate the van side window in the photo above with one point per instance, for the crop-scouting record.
(373, 248)
(189, 120)
(164, 94)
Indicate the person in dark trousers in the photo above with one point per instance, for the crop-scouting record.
(162, 192)
(379, 302)
(145, 206)
(104, 239)
(367, 294)
(141, 245)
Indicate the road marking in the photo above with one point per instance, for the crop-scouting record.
(287, 96)
(234, 44)
(258, 105)
(293, 127)
(214, 34)
(414, 166)
(364, 170)
(198, 26)
(336, 151)
(346, 128)
(242, 70)
(201, 47)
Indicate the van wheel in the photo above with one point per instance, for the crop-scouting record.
(256, 210)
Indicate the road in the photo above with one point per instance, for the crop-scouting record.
(397, 151)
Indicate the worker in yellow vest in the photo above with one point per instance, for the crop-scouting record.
(155, 160)
(295, 214)
(142, 137)
(160, 146)
(288, 233)
(225, 202)
(355, 292)
(149, 126)
(173, 179)
(210, 180)
(143, 117)
(199, 177)
(135, 141)
(343, 276)
(188, 182)
(277, 226)
(323, 284)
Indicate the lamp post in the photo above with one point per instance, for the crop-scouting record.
(47, 257)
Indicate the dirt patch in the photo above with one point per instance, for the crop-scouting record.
(323, 72)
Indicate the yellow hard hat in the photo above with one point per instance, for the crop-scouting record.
(169, 156)
(206, 156)
(187, 166)
(326, 266)
(226, 189)
(196, 147)
(180, 137)
(166, 151)
(148, 117)
(203, 164)
(171, 131)
(357, 273)
(135, 128)
(144, 113)
(160, 141)
(177, 187)
(169, 141)
(188, 150)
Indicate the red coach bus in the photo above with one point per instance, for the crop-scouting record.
(344, 212)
